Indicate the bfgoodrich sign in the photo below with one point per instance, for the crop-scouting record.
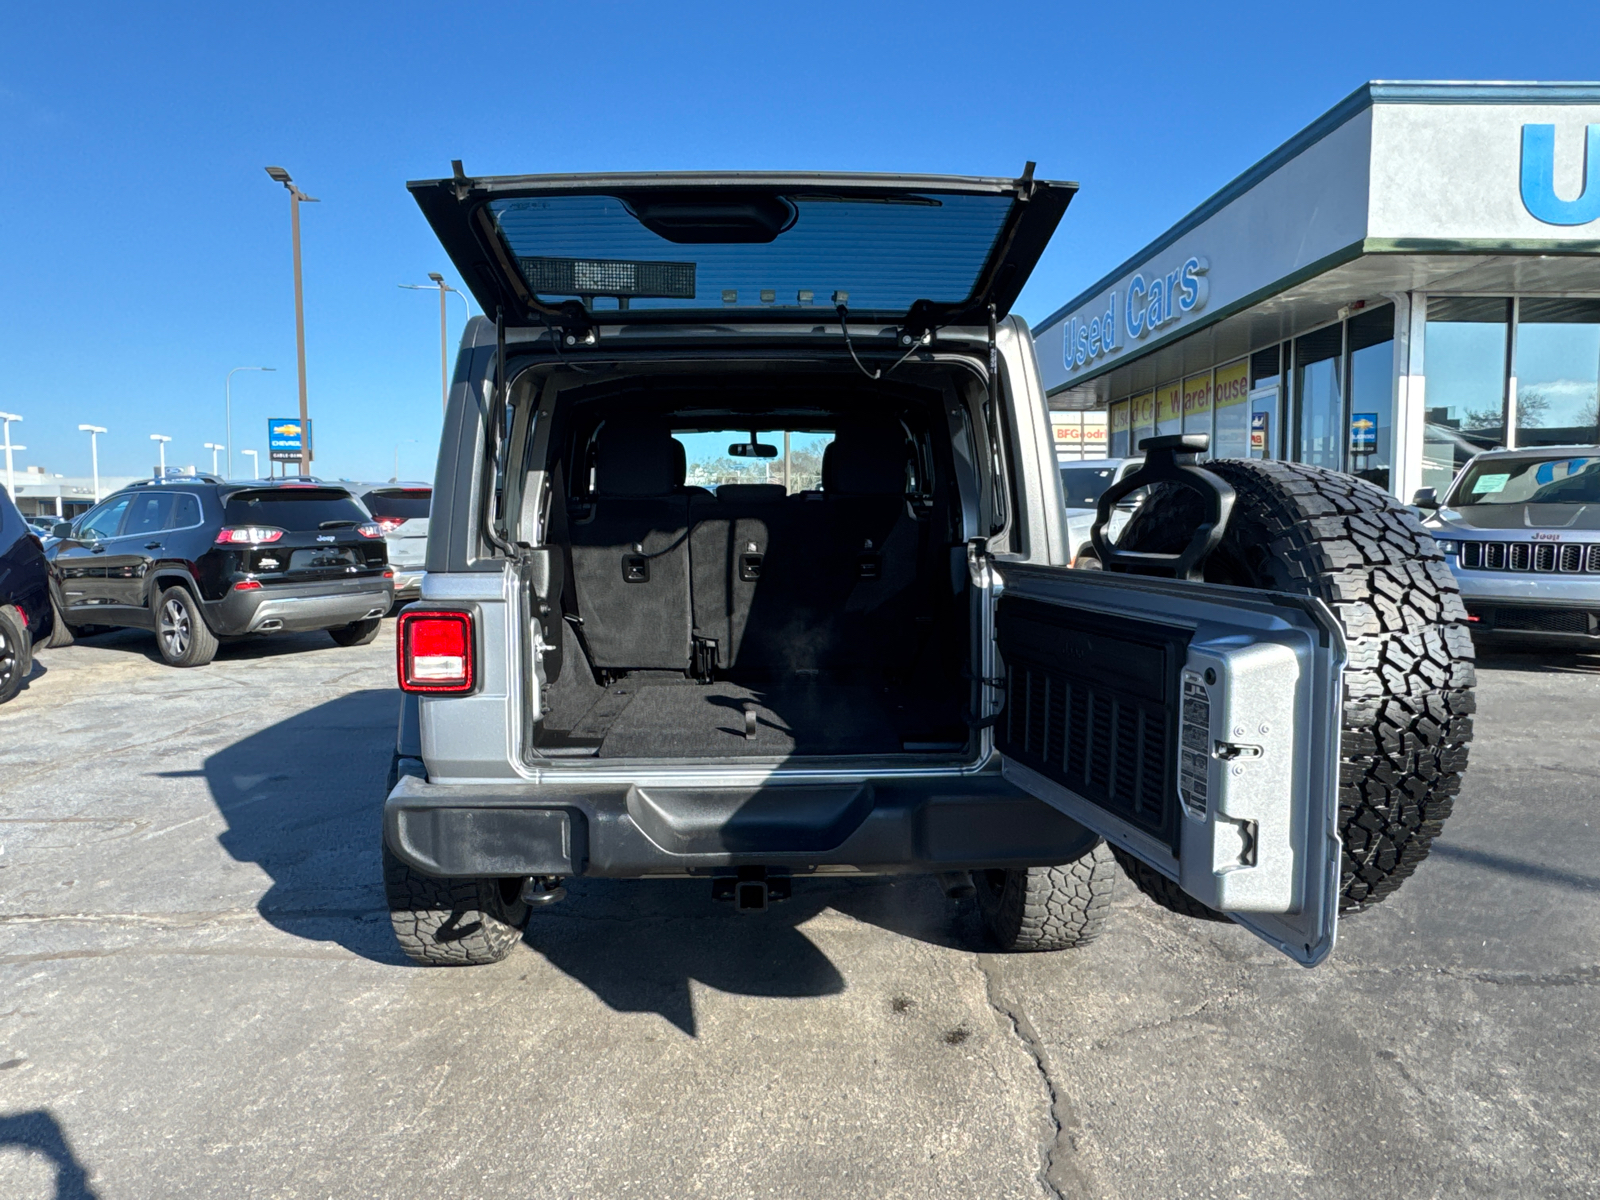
(1396, 168)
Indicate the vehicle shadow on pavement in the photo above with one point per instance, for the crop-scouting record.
(142, 641)
(304, 801)
(40, 1133)
(637, 945)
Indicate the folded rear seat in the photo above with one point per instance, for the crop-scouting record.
(630, 555)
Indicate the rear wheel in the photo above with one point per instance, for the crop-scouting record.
(16, 653)
(452, 922)
(184, 638)
(61, 634)
(1048, 908)
(1408, 683)
(357, 633)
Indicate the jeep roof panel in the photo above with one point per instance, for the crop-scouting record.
(756, 246)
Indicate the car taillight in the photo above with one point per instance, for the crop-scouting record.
(370, 529)
(247, 535)
(390, 524)
(247, 585)
(435, 651)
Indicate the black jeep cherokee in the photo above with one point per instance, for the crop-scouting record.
(197, 558)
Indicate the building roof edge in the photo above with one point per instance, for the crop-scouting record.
(1377, 91)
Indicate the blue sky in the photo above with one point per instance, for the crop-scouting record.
(147, 251)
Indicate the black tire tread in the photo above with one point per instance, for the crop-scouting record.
(357, 633)
(1050, 908)
(17, 635)
(61, 634)
(1408, 698)
(450, 922)
(1164, 891)
(202, 642)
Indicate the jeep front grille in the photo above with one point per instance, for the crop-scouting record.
(1570, 558)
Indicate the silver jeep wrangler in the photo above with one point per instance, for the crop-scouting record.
(748, 562)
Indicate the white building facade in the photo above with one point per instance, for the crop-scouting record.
(1413, 278)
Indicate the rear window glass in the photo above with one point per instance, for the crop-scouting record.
(404, 503)
(883, 252)
(296, 509)
(1081, 487)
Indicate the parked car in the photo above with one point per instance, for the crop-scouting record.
(1521, 531)
(24, 597)
(614, 674)
(196, 559)
(401, 510)
(1082, 484)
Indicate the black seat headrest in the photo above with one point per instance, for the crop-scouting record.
(866, 460)
(750, 493)
(637, 458)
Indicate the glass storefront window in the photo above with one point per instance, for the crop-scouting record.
(1464, 357)
(1557, 372)
(1371, 338)
(1117, 424)
(1197, 404)
(1143, 420)
(1319, 398)
(1169, 409)
(1266, 408)
(1232, 413)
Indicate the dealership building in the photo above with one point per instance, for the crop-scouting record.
(1413, 278)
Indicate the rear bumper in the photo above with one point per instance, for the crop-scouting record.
(626, 832)
(300, 607)
(408, 583)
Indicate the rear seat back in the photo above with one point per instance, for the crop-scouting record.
(873, 543)
(630, 555)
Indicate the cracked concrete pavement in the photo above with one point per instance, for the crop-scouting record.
(199, 994)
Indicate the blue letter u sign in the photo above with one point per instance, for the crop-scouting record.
(1539, 178)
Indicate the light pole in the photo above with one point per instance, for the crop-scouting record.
(94, 432)
(214, 447)
(397, 445)
(161, 440)
(255, 463)
(444, 351)
(295, 197)
(11, 483)
(227, 384)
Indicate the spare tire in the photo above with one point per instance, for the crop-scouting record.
(1408, 681)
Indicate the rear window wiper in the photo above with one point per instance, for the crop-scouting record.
(337, 525)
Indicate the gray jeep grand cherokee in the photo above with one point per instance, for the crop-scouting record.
(748, 562)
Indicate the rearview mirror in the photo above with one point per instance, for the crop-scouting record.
(753, 450)
(61, 529)
(1426, 498)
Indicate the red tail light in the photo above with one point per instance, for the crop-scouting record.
(247, 585)
(370, 529)
(390, 524)
(435, 651)
(247, 535)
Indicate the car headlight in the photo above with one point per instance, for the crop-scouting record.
(1449, 547)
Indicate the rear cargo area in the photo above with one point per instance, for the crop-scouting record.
(707, 617)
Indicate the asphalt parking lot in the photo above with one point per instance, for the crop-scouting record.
(199, 994)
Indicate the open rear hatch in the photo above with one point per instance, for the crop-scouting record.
(579, 251)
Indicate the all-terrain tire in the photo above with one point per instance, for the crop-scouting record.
(61, 633)
(182, 635)
(1048, 908)
(1165, 892)
(1408, 681)
(452, 922)
(357, 633)
(16, 653)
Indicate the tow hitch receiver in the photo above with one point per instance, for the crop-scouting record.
(751, 890)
